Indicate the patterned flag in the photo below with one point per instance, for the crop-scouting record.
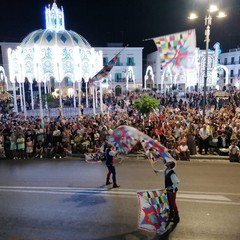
(105, 70)
(153, 211)
(177, 50)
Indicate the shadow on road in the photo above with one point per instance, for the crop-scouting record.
(141, 235)
(86, 199)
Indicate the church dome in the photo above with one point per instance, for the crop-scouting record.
(55, 33)
(52, 37)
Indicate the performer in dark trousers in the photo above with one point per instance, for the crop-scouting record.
(109, 154)
(171, 185)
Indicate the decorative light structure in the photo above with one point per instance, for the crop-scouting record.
(208, 22)
(53, 57)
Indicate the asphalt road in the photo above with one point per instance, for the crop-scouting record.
(66, 199)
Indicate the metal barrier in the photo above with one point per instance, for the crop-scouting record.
(66, 112)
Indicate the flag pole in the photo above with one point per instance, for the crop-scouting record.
(147, 39)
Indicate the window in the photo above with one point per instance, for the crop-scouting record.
(231, 73)
(239, 60)
(118, 77)
(130, 61)
(225, 61)
(232, 60)
(238, 72)
(105, 61)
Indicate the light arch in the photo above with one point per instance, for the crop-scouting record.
(150, 71)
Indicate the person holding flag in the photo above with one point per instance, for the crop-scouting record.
(109, 156)
(171, 185)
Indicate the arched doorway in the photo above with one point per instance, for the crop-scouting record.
(118, 90)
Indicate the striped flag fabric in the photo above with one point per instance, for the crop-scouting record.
(177, 50)
(153, 211)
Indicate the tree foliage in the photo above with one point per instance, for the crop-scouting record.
(146, 104)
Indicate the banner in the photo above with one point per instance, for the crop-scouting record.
(177, 50)
(105, 70)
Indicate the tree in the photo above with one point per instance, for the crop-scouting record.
(146, 104)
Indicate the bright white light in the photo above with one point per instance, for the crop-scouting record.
(213, 8)
(192, 16)
(70, 92)
(221, 15)
(56, 92)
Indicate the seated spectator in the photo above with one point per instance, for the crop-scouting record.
(39, 149)
(67, 149)
(184, 151)
(48, 150)
(234, 152)
(223, 144)
(174, 151)
(213, 143)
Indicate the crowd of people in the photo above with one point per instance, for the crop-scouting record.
(177, 124)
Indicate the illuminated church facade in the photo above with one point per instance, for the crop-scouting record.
(62, 60)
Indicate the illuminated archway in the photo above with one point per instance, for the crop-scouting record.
(149, 72)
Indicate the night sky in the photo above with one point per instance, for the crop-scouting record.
(126, 21)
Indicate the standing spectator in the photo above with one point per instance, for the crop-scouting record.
(58, 151)
(177, 130)
(7, 144)
(13, 144)
(29, 147)
(21, 146)
(191, 141)
(57, 136)
(2, 152)
(204, 134)
(170, 140)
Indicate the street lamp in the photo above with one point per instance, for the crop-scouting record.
(208, 22)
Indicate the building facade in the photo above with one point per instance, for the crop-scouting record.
(126, 75)
(191, 79)
(231, 60)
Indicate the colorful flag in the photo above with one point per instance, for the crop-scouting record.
(124, 138)
(105, 70)
(153, 211)
(177, 50)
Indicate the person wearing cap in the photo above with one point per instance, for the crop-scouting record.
(109, 156)
(171, 185)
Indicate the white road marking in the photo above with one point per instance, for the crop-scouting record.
(200, 197)
(203, 197)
